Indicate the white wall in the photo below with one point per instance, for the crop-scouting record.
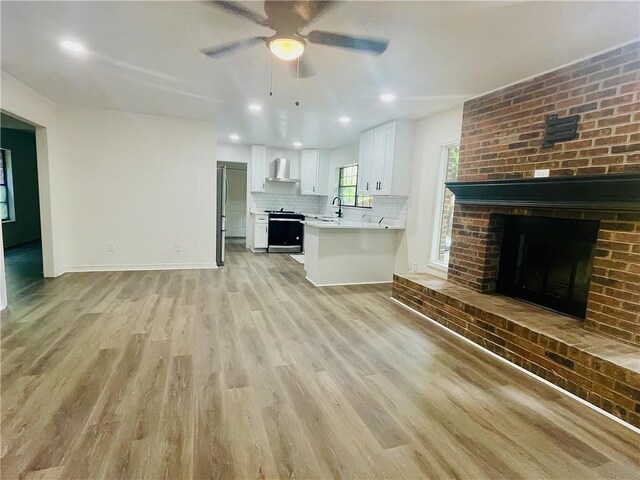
(431, 133)
(233, 153)
(142, 182)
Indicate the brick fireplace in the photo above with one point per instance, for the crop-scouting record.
(501, 138)
(501, 142)
(613, 305)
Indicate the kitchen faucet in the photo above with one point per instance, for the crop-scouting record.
(339, 212)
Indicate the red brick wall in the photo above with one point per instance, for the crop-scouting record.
(502, 132)
(502, 135)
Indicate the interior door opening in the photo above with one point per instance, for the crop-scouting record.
(20, 206)
(236, 199)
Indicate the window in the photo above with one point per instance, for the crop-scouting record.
(348, 188)
(6, 193)
(450, 156)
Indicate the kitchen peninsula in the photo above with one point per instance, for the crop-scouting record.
(343, 252)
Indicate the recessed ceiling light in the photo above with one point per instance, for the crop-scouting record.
(235, 137)
(254, 107)
(297, 144)
(344, 119)
(387, 97)
(72, 46)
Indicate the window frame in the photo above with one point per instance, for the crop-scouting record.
(8, 182)
(340, 169)
(443, 159)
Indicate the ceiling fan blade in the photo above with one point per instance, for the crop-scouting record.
(371, 45)
(226, 48)
(235, 8)
(306, 70)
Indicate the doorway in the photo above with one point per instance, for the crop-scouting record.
(20, 205)
(236, 199)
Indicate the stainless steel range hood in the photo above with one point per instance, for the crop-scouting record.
(280, 170)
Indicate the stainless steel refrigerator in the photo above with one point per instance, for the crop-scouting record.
(221, 215)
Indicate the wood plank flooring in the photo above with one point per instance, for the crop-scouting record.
(249, 372)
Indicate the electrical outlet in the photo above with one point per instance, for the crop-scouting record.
(541, 173)
(111, 247)
(178, 247)
(413, 266)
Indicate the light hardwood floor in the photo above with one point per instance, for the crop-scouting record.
(251, 372)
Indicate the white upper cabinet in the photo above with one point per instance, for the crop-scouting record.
(365, 186)
(314, 172)
(386, 159)
(258, 167)
(391, 161)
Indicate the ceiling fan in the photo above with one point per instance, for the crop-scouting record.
(287, 19)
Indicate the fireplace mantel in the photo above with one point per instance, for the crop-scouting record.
(618, 192)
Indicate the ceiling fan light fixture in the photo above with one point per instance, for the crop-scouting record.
(286, 48)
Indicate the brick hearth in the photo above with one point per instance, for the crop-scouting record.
(614, 297)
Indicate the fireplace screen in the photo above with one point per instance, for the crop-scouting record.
(548, 261)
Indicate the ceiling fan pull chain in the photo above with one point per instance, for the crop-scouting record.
(271, 78)
(298, 79)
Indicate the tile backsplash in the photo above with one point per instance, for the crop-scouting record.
(297, 203)
(392, 209)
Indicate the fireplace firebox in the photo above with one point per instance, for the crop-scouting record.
(547, 261)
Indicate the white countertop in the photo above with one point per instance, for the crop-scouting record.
(262, 212)
(351, 224)
(338, 223)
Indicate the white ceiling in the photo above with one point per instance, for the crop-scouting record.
(145, 58)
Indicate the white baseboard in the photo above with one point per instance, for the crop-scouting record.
(140, 267)
(518, 367)
(345, 284)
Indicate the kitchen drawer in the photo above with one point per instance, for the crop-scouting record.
(262, 218)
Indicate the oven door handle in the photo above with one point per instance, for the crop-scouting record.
(285, 220)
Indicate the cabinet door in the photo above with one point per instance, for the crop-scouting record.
(260, 235)
(365, 185)
(377, 159)
(322, 185)
(309, 172)
(388, 158)
(258, 167)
